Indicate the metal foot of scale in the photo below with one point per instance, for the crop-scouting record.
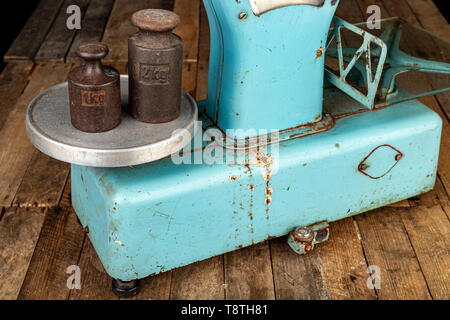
(303, 239)
(126, 289)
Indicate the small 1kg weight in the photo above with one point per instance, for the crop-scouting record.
(94, 91)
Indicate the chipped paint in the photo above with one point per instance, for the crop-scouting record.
(267, 174)
(268, 197)
(319, 53)
(262, 160)
(119, 243)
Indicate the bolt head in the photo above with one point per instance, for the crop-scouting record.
(242, 15)
(303, 234)
(398, 157)
(363, 167)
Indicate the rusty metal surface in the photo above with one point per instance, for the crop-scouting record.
(155, 67)
(94, 91)
(303, 239)
(156, 20)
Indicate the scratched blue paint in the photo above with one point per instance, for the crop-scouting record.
(258, 63)
(159, 216)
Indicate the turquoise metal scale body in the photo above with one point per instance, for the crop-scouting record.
(266, 73)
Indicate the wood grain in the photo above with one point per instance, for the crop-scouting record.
(95, 282)
(43, 183)
(248, 274)
(59, 247)
(29, 40)
(19, 232)
(203, 56)
(188, 30)
(92, 26)
(364, 4)
(13, 81)
(386, 245)
(429, 232)
(155, 288)
(297, 277)
(58, 40)
(335, 270)
(349, 11)
(66, 198)
(16, 151)
(430, 17)
(199, 281)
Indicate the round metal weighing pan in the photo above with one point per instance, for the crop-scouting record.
(131, 143)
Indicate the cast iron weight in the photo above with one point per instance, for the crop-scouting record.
(126, 289)
(155, 66)
(94, 91)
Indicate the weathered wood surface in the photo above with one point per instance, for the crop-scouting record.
(13, 81)
(29, 40)
(58, 248)
(43, 182)
(58, 40)
(337, 270)
(248, 274)
(19, 232)
(387, 247)
(92, 26)
(408, 241)
(189, 11)
(95, 282)
(16, 151)
(429, 233)
(200, 281)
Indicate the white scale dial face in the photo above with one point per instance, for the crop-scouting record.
(262, 6)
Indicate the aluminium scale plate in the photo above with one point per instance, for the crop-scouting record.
(131, 143)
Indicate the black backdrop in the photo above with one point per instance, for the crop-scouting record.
(13, 16)
(443, 6)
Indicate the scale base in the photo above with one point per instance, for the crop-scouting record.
(152, 218)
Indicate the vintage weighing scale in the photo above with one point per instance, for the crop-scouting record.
(282, 145)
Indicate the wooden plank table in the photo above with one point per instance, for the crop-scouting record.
(40, 236)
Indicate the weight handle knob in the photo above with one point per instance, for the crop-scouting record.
(92, 51)
(155, 20)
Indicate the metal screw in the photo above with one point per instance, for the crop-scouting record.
(303, 233)
(242, 15)
(398, 157)
(363, 167)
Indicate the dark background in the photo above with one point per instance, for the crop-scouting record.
(443, 5)
(13, 19)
